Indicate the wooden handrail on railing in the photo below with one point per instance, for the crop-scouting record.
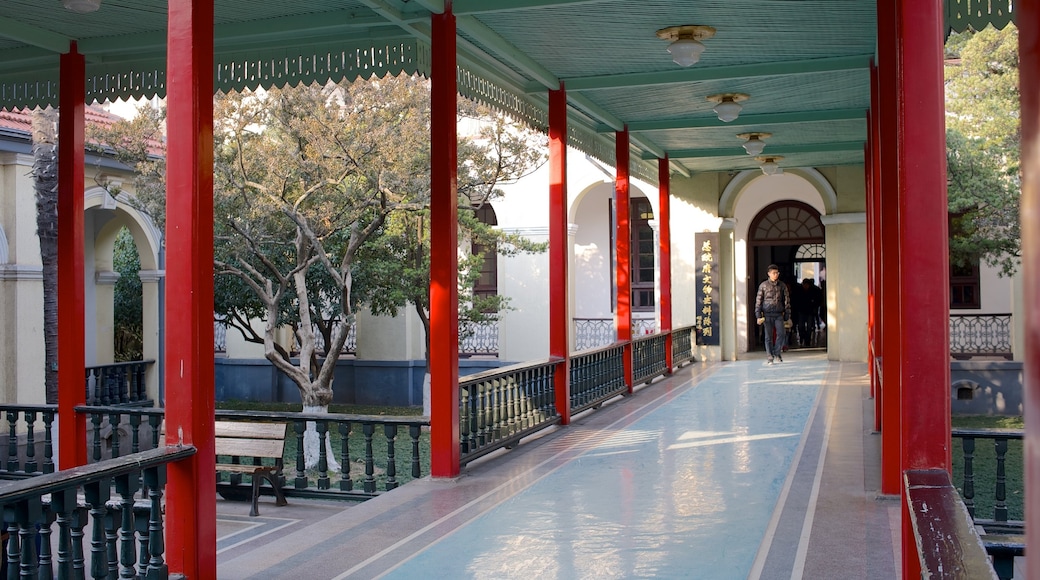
(948, 545)
(126, 540)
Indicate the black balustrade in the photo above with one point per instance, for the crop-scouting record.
(118, 384)
(648, 360)
(23, 446)
(682, 345)
(499, 407)
(35, 505)
(597, 376)
(980, 335)
(110, 427)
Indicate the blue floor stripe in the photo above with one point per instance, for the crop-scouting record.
(685, 492)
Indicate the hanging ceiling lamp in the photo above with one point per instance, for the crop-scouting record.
(769, 164)
(686, 46)
(728, 106)
(753, 143)
(82, 6)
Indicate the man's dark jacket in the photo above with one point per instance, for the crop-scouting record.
(773, 300)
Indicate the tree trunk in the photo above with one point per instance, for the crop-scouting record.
(311, 439)
(45, 175)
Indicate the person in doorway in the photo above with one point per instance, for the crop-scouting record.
(808, 311)
(773, 310)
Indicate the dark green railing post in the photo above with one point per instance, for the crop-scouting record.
(368, 429)
(390, 430)
(48, 442)
(414, 431)
(95, 420)
(12, 441)
(113, 423)
(345, 481)
(301, 475)
(30, 442)
(155, 479)
(126, 486)
(97, 494)
(323, 458)
(968, 443)
(1000, 511)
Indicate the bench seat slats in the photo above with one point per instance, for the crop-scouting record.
(250, 447)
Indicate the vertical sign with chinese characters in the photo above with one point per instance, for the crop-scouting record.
(707, 288)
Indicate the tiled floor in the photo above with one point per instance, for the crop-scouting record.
(732, 470)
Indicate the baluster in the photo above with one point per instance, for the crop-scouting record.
(79, 521)
(155, 421)
(142, 386)
(12, 441)
(101, 387)
(1000, 512)
(126, 487)
(512, 394)
(370, 481)
(155, 479)
(14, 551)
(48, 442)
(111, 538)
(481, 413)
(414, 431)
(135, 433)
(113, 422)
(464, 420)
(497, 414)
(390, 430)
(97, 494)
(63, 504)
(323, 460)
(345, 482)
(89, 374)
(95, 420)
(968, 444)
(141, 523)
(301, 476)
(30, 442)
(27, 513)
(46, 567)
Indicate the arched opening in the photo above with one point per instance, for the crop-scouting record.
(128, 323)
(487, 283)
(791, 235)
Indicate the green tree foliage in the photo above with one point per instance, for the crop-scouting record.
(128, 320)
(982, 142)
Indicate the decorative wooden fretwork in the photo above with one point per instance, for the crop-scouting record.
(976, 14)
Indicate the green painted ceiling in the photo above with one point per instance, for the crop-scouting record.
(804, 63)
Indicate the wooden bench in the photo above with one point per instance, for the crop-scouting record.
(236, 439)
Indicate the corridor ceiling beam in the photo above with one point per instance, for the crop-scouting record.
(771, 150)
(745, 120)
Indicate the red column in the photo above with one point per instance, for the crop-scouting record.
(664, 227)
(191, 543)
(72, 428)
(924, 261)
(875, 228)
(444, 259)
(889, 298)
(1029, 85)
(868, 174)
(622, 241)
(559, 317)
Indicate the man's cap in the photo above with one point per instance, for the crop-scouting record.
(773, 267)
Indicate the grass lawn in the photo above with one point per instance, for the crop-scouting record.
(985, 466)
(402, 444)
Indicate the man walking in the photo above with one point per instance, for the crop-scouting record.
(773, 309)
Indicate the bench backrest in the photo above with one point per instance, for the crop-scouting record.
(239, 438)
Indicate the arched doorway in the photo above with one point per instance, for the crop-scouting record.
(791, 235)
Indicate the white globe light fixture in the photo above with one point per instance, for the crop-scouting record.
(728, 106)
(753, 143)
(769, 164)
(82, 6)
(686, 46)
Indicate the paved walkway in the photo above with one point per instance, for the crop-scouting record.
(732, 470)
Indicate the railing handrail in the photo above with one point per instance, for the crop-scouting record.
(948, 545)
(988, 433)
(272, 416)
(503, 371)
(120, 364)
(598, 349)
(33, 487)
